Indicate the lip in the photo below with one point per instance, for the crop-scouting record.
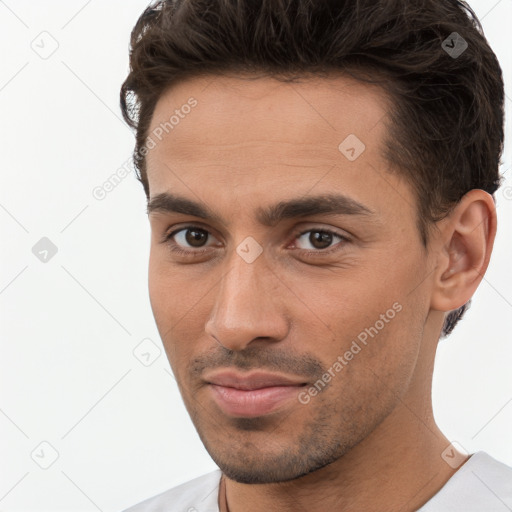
(251, 381)
(252, 395)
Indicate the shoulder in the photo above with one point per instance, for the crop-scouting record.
(482, 483)
(199, 494)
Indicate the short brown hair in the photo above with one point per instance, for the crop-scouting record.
(445, 131)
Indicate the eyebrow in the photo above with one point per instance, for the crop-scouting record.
(326, 204)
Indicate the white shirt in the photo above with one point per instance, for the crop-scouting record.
(482, 484)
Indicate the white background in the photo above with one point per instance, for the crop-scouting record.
(69, 326)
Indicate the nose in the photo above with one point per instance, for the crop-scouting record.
(248, 305)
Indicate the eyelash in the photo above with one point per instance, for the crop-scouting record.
(176, 249)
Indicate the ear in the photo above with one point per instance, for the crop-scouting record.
(464, 250)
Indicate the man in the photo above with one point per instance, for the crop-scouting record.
(320, 181)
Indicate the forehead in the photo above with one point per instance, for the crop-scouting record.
(219, 113)
(252, 140)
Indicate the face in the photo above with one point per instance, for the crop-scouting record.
(272, 270)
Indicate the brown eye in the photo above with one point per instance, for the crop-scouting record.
(195, 237)
(318, 239)
(191, 237)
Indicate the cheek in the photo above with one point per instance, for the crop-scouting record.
(169, 299)
(373, 323)
(374, 369)
(342, 306)
(390, 342)
(180, 306)
(157, 285)
(170, 288)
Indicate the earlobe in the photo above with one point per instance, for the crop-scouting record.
(464, 251)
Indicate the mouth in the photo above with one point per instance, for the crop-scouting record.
(252, 395)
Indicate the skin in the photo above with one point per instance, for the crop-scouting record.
(368, 441)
